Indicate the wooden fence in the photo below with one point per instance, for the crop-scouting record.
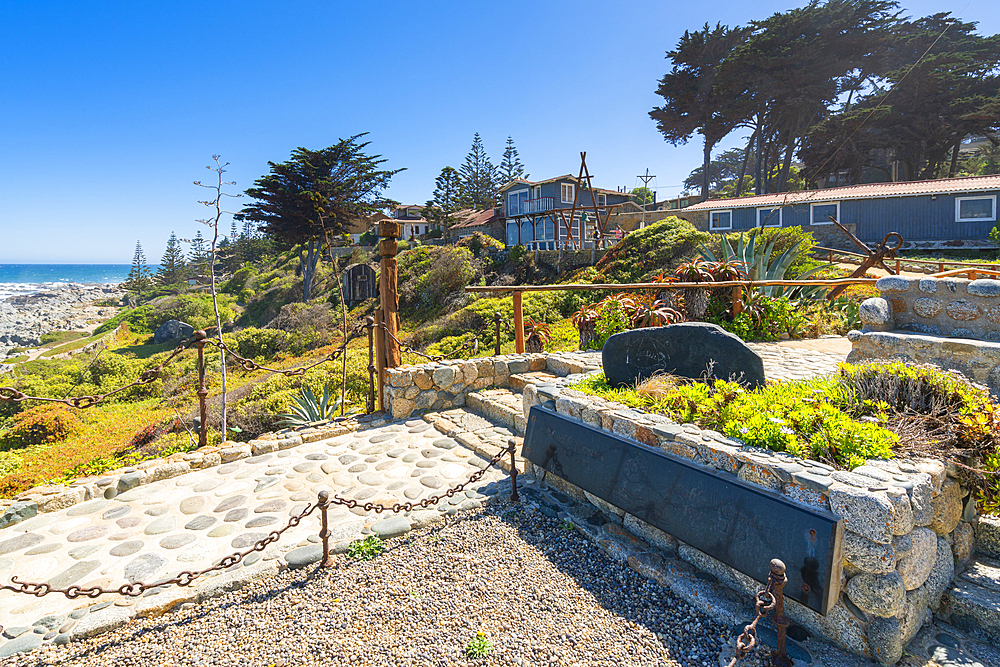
(970, 268)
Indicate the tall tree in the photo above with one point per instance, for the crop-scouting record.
(172, 266)
(198, 255)
(510, 166)
(697, 97)
(478, 177)
(139, 278)
(315, 192)
(641, 196)
(447, 198)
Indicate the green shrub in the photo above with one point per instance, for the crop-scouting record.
(765, 318)
(139, 320)
(658, 247)
(254, 343)
(611, 321)
(239, 280)
(517, 254)
(44, 424)
(478, 243)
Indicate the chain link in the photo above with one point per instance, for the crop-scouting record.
(471, 344)
(83, 402)
(251, 365)
(747, 640)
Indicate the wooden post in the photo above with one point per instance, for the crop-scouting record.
(388, 231)
(518, 324)
(380, 359)
(737, 299)
(940, 267)
(973, 275)
(897, 266)
(831, 257)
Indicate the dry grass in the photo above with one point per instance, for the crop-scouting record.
(657, 386)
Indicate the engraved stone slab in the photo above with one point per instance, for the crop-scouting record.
(742, 525)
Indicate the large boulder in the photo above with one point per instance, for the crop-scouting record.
(688, 350)
(172, 330)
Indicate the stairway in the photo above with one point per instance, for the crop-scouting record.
(973, 601)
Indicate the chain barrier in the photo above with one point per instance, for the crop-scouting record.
(771, 598)
(470, 344)
(250, 365)
(323, 503)
(83, 402)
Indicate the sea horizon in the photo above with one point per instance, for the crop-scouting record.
(27, 278)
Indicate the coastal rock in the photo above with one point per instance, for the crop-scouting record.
(172, 330)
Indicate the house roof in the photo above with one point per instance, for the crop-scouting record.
(564, 177)
(473, 218)
(942, 186)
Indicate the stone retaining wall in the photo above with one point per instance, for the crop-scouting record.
(909, 524)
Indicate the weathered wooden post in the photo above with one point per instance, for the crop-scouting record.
(199, 342)
(737, 299)
(389, 355)
(518, 324)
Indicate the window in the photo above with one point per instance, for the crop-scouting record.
(769, 217)
(821, 213)
(720, 220)
(684, 203)
(976, 209)
(536, 192)
(566, 192)
(671, 205)
(602, 199)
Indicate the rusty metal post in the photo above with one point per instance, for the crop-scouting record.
(779, 658)
(898, 265)
(370, 325)
(325, 532)
(512, 448)
(518, 324)
(496, 318)
(973, 275)
(199, 342)
(940, 267)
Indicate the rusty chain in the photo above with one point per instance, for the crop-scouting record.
(748, 638)
(83, 402)
(136, 588)
(471, 344)
(251, 365)
(350, 503)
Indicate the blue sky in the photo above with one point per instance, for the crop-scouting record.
(109, 110)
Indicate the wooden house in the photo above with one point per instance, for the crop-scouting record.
(360, 283)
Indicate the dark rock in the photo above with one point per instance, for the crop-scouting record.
(172, 330)
(684, 349)
(18, 512)
(947, 656)
(128, 481)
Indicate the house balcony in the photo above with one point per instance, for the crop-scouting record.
(532, 206)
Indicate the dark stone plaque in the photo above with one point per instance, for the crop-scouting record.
(686, 349)
(739, 524)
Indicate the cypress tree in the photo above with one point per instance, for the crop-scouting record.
(172, 265)
(510, 166)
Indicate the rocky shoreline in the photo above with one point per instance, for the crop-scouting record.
(24, 318)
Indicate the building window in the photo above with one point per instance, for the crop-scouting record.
(684, 203)
(566, 191)
(602, 199)
(769, 217)
(720, 220)
(536, 192)
(821, 213)
(976, 209)
(671, 205)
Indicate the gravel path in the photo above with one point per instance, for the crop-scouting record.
(540, 591)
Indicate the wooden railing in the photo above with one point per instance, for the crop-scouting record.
(738, 286)
(984, 268)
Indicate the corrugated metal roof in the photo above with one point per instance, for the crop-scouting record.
(479, 218)
(940, 186)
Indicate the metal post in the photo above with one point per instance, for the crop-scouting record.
(325, 532)
(779, 658)
(496, 318)
(512, 447)
(199, 341)
(370, 324)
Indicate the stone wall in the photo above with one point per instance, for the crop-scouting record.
(908, 524)
(953, 307)
(953, 323)
(569, 260)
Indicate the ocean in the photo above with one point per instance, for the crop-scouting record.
(17, 279)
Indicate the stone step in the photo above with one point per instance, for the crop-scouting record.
(477, 433)
(518, 380)
(503, 407)
(973, 601)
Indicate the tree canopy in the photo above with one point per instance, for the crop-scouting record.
(479, 177)
(315, 193)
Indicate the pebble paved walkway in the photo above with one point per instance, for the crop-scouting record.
(190, 522)
(790, 363)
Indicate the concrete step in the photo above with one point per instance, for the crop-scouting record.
(973, 601)
(503, 407)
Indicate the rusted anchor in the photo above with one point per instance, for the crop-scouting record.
(877, 257)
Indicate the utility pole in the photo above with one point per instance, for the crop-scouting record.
(645, 178)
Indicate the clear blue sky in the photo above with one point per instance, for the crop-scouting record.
(109, 110)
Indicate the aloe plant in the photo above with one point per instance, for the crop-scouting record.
(307, 408)
(757, 258)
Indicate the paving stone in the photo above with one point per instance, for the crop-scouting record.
(270, 506)
(227, 469)
(87, 534)
(79, 553)
(157, 511)
(358, 467)
(370, 479)
(382, 437)
(411, 457)
(237, 514)
(305, 467)
(298, 558)
(316, 457)
(224, 530)
(15, 632)
(193, 505)
(86, 508)
(162, 525)
(43, 549)
(28, 642)
(128, 522)
(23, 541)
(230, 503)
(247, 540)
(201, 522)
(208, 485)
(431, 482)
(261, 521)
(127, 548)
(116, 512)
(144, 568)
(73, 574)
(177, 541)
(393, 526)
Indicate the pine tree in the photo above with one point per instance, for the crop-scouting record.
(138, 279)
(447, 198)
(172, 265)
(198, 256)
(511, 167)
(478, 178)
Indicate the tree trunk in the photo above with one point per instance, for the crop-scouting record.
(787, 164)
(707, 160)
(743, 167)
(308, 263)
(954, 159)
(760, 146)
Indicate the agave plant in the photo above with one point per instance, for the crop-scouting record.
(697, 270)
(307, 408)
(758, 263)
(654, 313)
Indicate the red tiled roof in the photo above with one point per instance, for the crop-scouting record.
(940, 186)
